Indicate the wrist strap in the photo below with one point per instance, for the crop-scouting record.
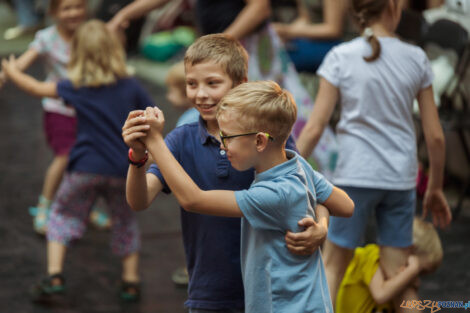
(139, 163)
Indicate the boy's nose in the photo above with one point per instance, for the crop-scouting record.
(201, 92)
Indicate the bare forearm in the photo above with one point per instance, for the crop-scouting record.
(393, 286)
(318, 31)
(308, 139)
(32, 85)
(138, 8)
(185, 190)
(252, 15)
(436, 153)
(136, 188)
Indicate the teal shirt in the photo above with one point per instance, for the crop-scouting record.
(276, 280)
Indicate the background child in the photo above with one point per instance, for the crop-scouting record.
(176, 94)
(255, 121)
(52, 46)
(214, 64)
(364, 288)
(102, 93)
(376, 77)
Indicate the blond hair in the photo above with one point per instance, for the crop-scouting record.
(223, 50)
(426, 242)
(261, 106)
(97, 58)
(176, 77)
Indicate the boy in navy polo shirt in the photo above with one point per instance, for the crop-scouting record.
(255, 120)
(214, 64)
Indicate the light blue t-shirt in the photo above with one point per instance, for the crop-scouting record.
(276, 280)
(189, 116)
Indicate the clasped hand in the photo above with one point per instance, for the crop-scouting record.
(141, 126)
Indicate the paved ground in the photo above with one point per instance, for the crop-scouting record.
(91, 271)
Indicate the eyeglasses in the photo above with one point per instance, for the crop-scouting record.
(224, 138)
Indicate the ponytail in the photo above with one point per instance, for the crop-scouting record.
(364, 12)
(374, 43)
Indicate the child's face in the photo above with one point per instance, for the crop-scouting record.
(70, 14)
(177, 97)
(241, 150)
(206, 84)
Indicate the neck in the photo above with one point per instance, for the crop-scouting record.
(65, 34)
(270, 159)
(213, 128)
(380, 30)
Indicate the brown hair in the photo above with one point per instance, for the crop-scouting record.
(54, 6)
(261, 106)
(223, 50)
(97, 56)
(364, 12)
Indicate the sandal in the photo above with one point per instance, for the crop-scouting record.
(129, 292)
(47, 288)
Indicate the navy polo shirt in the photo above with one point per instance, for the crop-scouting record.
(211, 243)
(101, 112)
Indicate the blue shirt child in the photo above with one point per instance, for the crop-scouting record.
(276, 280)
(211, 243)
(101, 112)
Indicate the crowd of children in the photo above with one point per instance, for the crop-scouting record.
(253, 212)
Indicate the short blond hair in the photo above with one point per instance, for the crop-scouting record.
(426, 241)
(261, 106)
(97, 56)
(176, 77)
(223, 50)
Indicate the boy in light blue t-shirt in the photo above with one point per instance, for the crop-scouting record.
(255, 120)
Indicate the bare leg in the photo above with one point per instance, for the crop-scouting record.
(130, 268)
(391, 260)
(55, 257)
(336, 261)
(54, 176)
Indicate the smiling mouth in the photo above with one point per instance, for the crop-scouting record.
(206, 106)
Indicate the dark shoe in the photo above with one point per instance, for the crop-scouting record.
(129, 292)
(48, 288)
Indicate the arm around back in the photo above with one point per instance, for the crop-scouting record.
(339, 203)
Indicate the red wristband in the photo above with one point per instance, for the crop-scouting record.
(139, 163)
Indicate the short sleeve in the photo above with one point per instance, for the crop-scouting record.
(263, 206)
(323, 188)
(40, 42)
(427, 76)
(171, 140)
(330, 68)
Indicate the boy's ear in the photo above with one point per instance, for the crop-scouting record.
(261, 142)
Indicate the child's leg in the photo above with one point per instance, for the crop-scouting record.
(54, 175)
(69, 215)
(125, 235)
(336, 261)
(55, 257)
(395, 236)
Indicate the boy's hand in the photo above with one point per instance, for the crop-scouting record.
(134, 130)
(156, 121)
(306, 242)
(435, 201)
